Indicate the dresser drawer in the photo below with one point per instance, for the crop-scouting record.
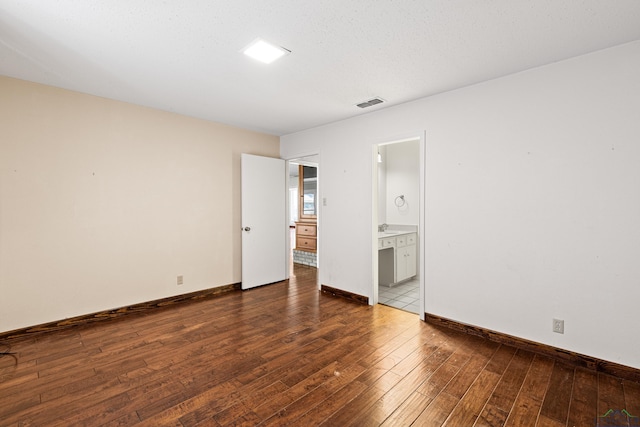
(303, 229)
(306, 243)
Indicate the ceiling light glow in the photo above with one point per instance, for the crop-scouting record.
(264, 51)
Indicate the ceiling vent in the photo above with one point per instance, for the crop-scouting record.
(370, 102)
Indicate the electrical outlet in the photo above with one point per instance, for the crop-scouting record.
(558, 326)
(180, 280)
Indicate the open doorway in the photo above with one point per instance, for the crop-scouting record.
(303, 210)
(399, 220)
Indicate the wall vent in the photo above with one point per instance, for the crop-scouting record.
(370, 102)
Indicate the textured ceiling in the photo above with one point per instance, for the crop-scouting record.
(184, 55)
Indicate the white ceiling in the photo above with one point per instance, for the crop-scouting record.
(184, 55)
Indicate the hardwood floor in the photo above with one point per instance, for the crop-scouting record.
(285, 354)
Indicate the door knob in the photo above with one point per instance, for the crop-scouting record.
(247, 229)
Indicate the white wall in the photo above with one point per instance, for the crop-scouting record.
(403, 178)
(533, 208)
(103, 203)
(382, 185)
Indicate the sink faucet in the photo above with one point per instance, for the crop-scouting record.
(383, 227)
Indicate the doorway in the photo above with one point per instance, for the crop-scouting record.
(398, 217)
(303, 211)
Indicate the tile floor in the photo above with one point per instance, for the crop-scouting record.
(404, 296)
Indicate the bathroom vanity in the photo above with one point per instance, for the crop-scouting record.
(396, 256)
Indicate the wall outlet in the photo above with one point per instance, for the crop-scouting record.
(180, 280)
(558, 326)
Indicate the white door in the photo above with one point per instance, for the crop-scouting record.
(264, 220)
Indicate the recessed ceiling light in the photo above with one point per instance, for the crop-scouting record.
(264, 51)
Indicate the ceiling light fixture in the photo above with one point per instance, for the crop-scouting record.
(264, 51)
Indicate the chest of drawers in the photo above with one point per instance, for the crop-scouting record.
(306, 236)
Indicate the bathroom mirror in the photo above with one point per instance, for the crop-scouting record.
(308, 185)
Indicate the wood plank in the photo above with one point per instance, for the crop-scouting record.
(501, 359)
(316, 397)
(459, 385)
(632, 401)
(439, 380)
(507, 389)
(470, 405)
(526, 408)
(558, 396)
(438, 411)
(491, 416)
(544, 421)
(351, 413)
(271, 405)
(408, 411)
(524, 413)
(611, 397)
(338, 400)
(584, 398)
(249, 406)
(405, 388)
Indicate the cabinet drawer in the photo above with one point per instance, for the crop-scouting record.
(306, 229)
(411, 239)
(406, 240)
(387, 242)
(306, 243)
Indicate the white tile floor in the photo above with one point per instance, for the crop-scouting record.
(405, 295)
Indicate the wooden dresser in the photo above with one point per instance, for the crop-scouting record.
(306, 236)
(306, 248)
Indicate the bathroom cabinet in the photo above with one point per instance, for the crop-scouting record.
(405, 257)
(396, 257)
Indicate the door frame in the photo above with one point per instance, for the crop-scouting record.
(299, 159)
(410, 136)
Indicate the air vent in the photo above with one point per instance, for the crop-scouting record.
(370, 102)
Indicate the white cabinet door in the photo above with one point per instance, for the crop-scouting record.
(406, 260)
(410, 257)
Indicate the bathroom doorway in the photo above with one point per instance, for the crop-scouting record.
(398, 214)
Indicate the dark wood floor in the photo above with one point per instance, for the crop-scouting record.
(285, 354)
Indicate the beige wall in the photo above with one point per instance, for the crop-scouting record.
(103, 203)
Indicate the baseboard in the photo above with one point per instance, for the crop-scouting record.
(360, 299)
(115, 313)
(588, 362)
